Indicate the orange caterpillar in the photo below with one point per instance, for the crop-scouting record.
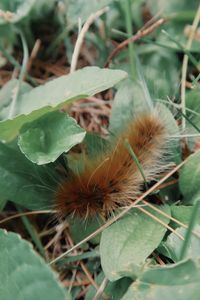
(113, 180)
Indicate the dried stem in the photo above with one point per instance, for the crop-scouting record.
(140, 34)
(81, 36)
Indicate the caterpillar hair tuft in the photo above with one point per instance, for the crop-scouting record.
(113, 180)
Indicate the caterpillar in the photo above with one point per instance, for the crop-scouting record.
(113, 179)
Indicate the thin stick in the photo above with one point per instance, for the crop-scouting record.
(28, 213)
(85, 269)
(140, 34)
(170, 217)
(120, 215)
(33, 54)
(101, 289)
(185, 64)
(81, 36)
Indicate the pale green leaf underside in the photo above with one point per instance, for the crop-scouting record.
(57, 93)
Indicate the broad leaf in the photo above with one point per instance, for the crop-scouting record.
(56, 93)
(129, 100)
(178, 281)
(23, 182)
(126, 244)
(190, 178)
(45, 139)
(24, 275)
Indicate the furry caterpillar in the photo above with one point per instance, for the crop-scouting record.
(114, 180)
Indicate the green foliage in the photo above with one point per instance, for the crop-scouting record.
(37, 150)
(22, 182)
(114, 290)
(189, 185)
(18, 8)
(178, 281)
(173, 245)
(24, 275)
(129, 242)
(56, 94)
(45, 139)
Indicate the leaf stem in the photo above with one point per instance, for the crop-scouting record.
(130, 33)
(192, 222)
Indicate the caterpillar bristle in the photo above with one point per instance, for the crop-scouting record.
(114, 180)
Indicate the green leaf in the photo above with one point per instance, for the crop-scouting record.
(174, 245)
(129, 100)
(193, 105)
(24, 275)
(80, 230)
(83, 9)
(114, 290)
(183, 213)
(45, 139)
(189, 180)
(19, 9)
(125, 245)
(6, 94)
(23, 182)
(56, 93)
(178, 281)
(163, 80)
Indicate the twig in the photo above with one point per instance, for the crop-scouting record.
(185, 64)
(81, 36)
(34, 53)
(85, 270)
(101, 289)
(140, 34)
(28, 213)
(120, 215)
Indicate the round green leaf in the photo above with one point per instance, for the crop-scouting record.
(178, 281)
(24, 275)
(189, 181)
(126, 244)
(45, 139)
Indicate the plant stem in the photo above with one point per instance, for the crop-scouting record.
(130, 33)
(192, 222)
